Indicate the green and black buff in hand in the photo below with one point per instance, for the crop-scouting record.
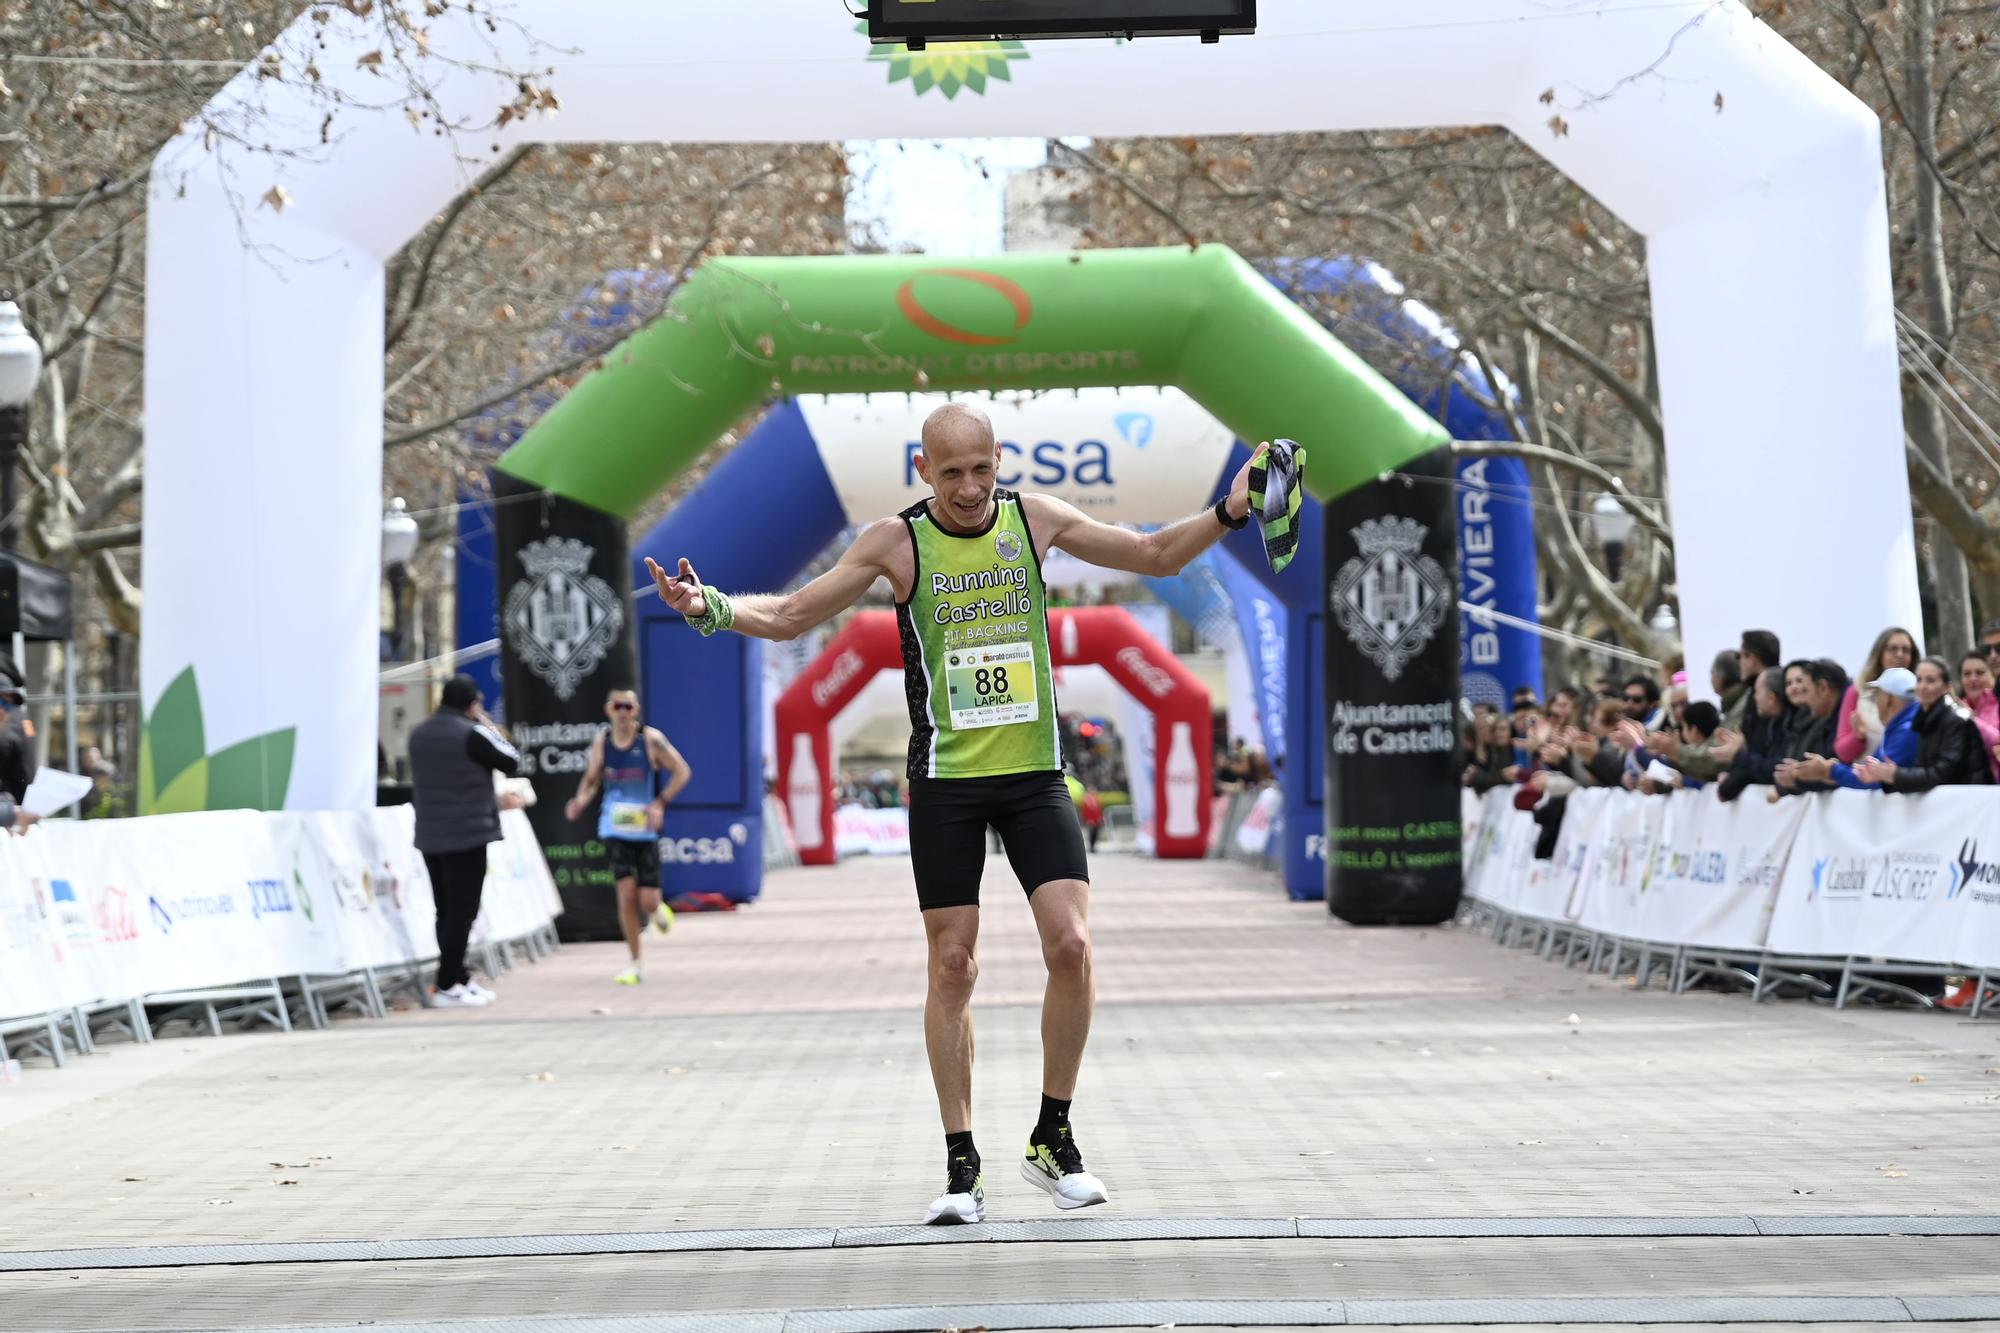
(1277, 485)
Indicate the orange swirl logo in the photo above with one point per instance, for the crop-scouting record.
(914, 311)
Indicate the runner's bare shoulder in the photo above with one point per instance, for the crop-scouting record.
(884, 545)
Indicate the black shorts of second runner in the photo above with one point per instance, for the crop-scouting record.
(1032, 813)
(633, 859)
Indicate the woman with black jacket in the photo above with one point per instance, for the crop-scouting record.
(1489, 753)
(1754, 752)
(1948, 745)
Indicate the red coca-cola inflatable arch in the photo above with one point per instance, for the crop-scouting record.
(1105, 636)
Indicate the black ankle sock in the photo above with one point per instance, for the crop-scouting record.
(1055, 1115)
(960, 1145)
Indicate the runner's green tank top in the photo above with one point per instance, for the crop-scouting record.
(975, 634)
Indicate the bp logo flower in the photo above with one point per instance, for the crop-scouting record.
(948, 66)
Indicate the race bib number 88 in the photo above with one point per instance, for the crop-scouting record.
(991, 687)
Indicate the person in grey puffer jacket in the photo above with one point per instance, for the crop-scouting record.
(453, 756)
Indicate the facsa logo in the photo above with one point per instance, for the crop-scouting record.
(1053, 463)
(698, 851)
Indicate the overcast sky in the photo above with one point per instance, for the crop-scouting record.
(930, 195)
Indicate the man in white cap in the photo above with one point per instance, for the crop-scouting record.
(1895, 695)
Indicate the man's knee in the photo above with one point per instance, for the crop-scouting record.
(953, 970)
(1067, 950)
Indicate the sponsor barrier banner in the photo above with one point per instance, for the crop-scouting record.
(859, 831)
(119, 909)
(1716, 867)
(1507, 852)
(1253, 835)
(1843, 874)
(1554, 891)
(1904, 877)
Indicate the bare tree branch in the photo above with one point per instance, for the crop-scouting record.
(440, 234)
(1130, 186)
(1942, 501)
(106, 539)
(1597, 476)
(411, 434)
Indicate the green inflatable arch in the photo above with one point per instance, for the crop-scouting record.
(741, 331)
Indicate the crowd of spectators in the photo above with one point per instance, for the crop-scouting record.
(879, 790)
(1904, 723)
(1242, 766)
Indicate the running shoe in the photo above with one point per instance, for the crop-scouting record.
(631, 976)
(964, 1197)
(455, 997)
(485, 996)
(1057, 1167)
(663, 919)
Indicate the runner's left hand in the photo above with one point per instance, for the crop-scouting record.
(1239, 489)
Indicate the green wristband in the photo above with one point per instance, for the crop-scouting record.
(720, 615)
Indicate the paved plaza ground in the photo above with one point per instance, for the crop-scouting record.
(1299, 1122)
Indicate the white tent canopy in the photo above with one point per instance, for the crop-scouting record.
(1765, 224)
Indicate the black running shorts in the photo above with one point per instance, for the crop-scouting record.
(1032, 813)
(633, 859)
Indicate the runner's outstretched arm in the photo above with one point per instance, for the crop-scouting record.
(786, 616)
(1161, 553)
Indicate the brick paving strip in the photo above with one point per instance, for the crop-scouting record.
(1047, 1232)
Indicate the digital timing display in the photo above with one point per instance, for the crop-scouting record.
(917, 21)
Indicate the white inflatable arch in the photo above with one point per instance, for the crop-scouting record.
(1765, 224)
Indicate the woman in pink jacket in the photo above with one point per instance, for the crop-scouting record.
(1860, 721)
(1975, 683)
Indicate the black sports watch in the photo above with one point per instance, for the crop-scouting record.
(1222, 516)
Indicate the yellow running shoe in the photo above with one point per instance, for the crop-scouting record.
(663, 919)
(631, 976)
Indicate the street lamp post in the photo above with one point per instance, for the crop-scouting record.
(20, 369)
(1614, 526)
(399, 544)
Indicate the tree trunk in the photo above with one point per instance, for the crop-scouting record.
(1925, 418)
